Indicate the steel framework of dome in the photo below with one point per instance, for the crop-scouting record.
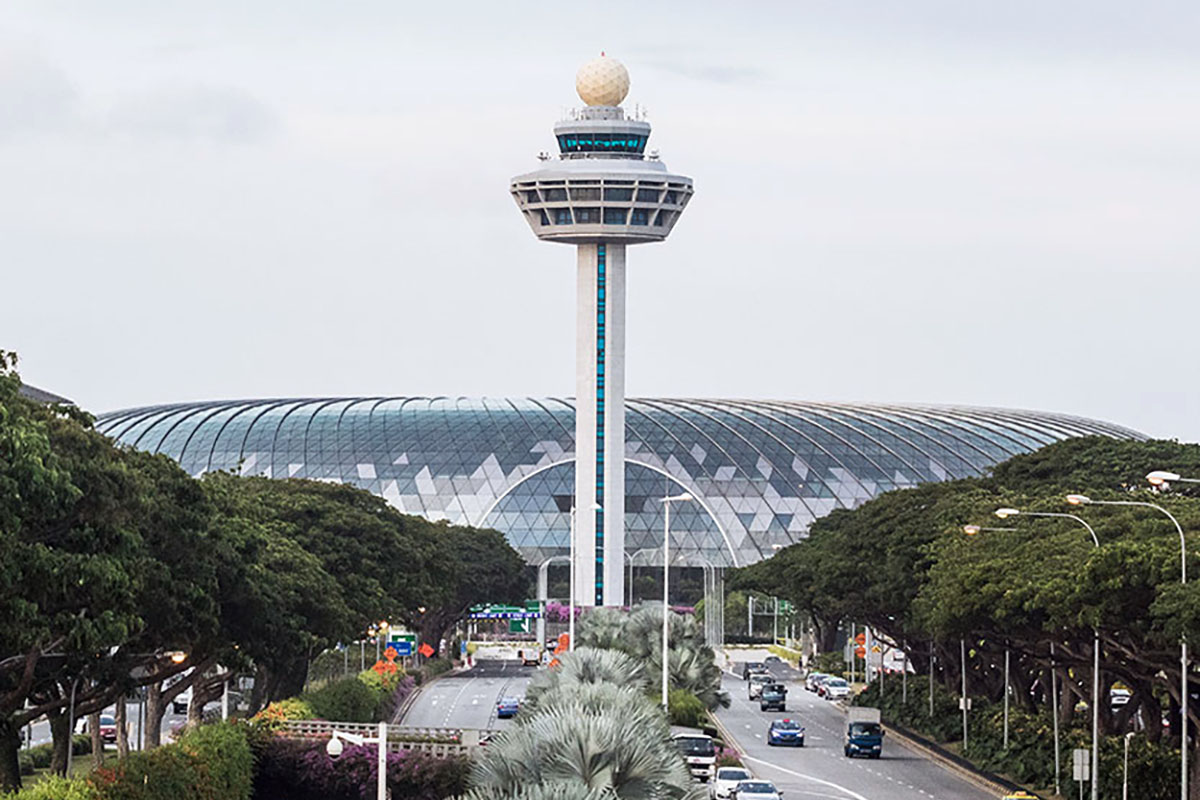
(760, 471)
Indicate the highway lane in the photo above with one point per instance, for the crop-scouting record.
(819, 769)
(468, 699)
(41, 729)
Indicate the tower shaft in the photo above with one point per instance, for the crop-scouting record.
(600, 424)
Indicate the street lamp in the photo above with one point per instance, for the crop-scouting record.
(1161, 477)
(334, 749)
(973, 530)
(666, 501)
(1005, 513)
(1084, 500)
(571, 581)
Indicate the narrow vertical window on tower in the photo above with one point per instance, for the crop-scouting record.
(601, 300)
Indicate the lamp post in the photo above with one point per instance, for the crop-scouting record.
(334, 749)
(1157, 478)
(1125, 778)
(666, 630)
(1005, 513)
(571, 582)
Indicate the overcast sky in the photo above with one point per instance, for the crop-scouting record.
(931, 201)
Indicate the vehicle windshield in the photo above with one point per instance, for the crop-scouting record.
(787, 725)
(107, 720)
(732, 774)
(864, 728)
(755, 665)
(760, 678)
(696, 746)
(838, 682)
(755, 787)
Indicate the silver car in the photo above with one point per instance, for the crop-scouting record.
(756, 684)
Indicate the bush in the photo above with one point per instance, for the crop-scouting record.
(346, 700)
(434, 667)
(685, 709)
(299, 770)
(273, 716)
(830, 664)
(41, 755)
(225, 754)
(81, 744)
(56, 788)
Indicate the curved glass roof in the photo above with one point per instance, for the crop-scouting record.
(761, 471)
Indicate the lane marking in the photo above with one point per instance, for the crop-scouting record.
(802, 776)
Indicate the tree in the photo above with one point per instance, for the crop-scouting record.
(469, 566)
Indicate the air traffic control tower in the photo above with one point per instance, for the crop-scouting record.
(602, 193)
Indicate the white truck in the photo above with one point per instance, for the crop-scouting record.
(698, 751)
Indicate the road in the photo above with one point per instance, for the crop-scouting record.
(468, 699)
(819, 769)
(41, 729)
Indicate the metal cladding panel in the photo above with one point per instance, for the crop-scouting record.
(761, 471)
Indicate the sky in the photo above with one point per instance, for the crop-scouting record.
(934, 201)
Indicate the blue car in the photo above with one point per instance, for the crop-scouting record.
(507, 707)
(786, 732)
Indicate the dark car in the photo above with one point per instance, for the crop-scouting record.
(750, 667)
(773, 697)
(507, 707)
(786, 732)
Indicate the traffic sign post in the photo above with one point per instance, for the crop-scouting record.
(1081, 767)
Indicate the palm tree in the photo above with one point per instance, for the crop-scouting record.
(583, 667)
(627, 750)
(543, 791)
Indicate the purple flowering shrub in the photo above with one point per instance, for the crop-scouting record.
(299, 770)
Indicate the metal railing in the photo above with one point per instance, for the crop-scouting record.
(435, 741)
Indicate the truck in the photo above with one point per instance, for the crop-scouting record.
(698, 751)
(530, 656)
(864, 733)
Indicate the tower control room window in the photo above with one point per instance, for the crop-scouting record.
(583, 215)
(614, 216)
(621, 195)
(554, 193)
(562, 216)
(647, 195)
(639, 216)
(585, 192)
(531, 196)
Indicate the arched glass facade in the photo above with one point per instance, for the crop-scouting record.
(761, 471)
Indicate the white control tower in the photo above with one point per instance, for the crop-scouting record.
(603, 192)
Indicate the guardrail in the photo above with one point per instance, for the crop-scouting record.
(435, 741)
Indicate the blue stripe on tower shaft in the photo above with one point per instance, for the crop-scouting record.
(601, 303)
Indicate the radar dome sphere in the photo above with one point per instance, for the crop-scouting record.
(602, 82)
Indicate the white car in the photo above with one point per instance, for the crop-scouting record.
(727, 778)
(755, 686)
(756, 790)
(835, 689)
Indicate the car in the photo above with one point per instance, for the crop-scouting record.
(786, 732)
(773, 697)
(813, 680)
(756, 790)
(757, 681)
(751, 667)
(108, 728)
(507, 707)
(727, 778)
(772, 660)
(835, 689)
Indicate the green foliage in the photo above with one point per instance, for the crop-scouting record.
(685, 709)
(346, 700)
(830, 664)
(53, 787)
(212, 762)
(638, 633)
(224, 753)
(273, 716)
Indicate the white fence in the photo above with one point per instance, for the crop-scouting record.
(436, 741)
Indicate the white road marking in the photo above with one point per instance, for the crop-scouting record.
(802, 776)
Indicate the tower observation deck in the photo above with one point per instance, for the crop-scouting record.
(602, 193)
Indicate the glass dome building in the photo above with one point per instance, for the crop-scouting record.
(760, 471)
